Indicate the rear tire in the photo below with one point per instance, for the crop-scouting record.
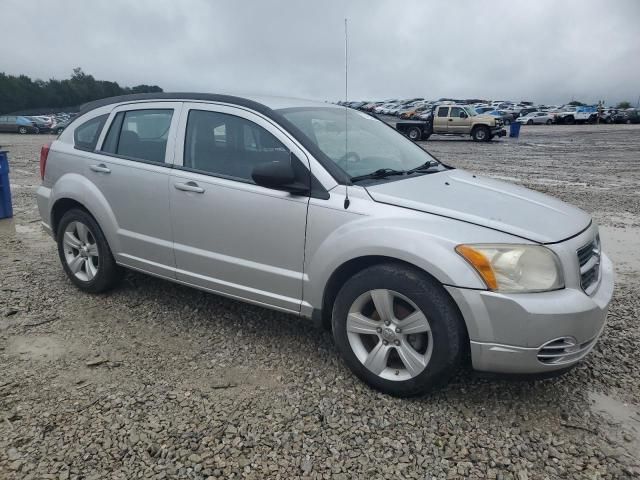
(410, 363)
(414, 134)
(481, 134)
(85, 254)
(22, 130)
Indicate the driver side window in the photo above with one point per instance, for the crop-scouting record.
(228, 146)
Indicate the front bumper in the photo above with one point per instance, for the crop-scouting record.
(508, 331)
(499, 132)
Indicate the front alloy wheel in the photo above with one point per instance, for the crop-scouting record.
(397, 329)
(389, 334)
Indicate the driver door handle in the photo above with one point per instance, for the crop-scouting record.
(189, 187)
(102, 168)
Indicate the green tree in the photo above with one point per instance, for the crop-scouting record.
(624, 105)
(18, 93)
(575, 103)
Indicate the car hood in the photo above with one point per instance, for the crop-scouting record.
(486, 202)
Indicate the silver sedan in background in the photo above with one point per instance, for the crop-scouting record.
(536, 117)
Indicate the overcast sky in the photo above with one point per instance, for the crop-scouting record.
(547, 51)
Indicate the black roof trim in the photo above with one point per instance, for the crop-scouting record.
(336, 172)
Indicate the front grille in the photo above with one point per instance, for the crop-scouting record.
(589, 261)
(563, 350)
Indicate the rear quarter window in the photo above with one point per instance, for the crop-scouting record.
(85, 136)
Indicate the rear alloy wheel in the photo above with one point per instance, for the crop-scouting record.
(22, 130)
(414, 134)
(85, 254)
(480, 134)
(397, 330)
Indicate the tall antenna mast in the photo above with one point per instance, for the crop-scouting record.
(346, 111)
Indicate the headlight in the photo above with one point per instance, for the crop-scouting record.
(514, 268)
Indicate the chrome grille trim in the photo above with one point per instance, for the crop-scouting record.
(589, 264)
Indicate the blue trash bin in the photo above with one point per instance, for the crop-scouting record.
(6, 209)
(514, 130)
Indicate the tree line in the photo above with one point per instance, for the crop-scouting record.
(22, 95)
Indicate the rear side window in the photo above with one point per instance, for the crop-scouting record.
(228, 146)
(85, 136)
(443, 111)
(139, 134)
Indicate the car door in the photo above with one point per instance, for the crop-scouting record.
(131, 169)
(456, 122)
(4, 125)
(12, 124)
(232, 236)
(441, 120)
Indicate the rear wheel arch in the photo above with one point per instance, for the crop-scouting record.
(355, 265)
(62, 206)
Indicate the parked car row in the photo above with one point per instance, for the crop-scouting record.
(35, 123)
(507, 111)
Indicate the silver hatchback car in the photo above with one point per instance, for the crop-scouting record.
(330, 214)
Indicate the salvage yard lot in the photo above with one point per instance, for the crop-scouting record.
(156, 379)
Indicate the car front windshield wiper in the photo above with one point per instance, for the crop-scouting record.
(425, 166)
(380, 173)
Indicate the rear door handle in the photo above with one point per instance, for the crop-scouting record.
(189, 187)
(102, 168)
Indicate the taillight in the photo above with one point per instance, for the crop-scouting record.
(44, 153)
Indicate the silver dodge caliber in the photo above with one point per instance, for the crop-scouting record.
(330, 214)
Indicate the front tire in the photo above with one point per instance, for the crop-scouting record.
(481, 134)
(23, 130)
(85, 254)
(548, 122)
(398, 330)
(530, 122)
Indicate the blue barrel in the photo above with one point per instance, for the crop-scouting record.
(514, 130)
(6, 209)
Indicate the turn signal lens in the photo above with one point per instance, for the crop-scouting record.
(480, 263)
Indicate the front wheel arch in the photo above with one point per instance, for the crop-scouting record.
(352, 267)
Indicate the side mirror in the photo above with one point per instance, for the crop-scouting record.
(279, 175)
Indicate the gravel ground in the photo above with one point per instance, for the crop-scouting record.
(155, 380)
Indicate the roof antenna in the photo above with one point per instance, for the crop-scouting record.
(346, 112)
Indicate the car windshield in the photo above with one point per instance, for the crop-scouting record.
(358, 143)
